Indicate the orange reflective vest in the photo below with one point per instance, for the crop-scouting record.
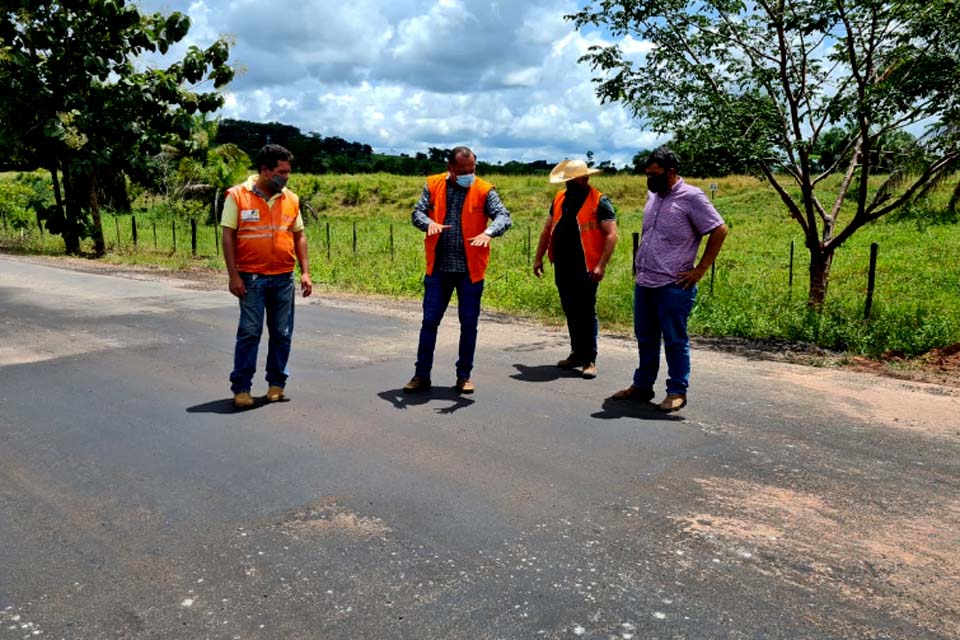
(265, 232)
(591, 238)
(473, 222)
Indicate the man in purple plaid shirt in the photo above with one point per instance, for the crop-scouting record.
(675, 219)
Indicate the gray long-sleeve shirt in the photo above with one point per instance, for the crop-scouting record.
(451, 255)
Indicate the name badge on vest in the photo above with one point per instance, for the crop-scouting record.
(250, 215)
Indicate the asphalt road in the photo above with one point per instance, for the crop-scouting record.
(783, 502)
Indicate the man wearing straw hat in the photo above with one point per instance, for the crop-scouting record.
(460, 214)
(579, 236)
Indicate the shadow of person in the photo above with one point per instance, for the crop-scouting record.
(401, 400)
(615, 409)
(226, 406)
(543, 373)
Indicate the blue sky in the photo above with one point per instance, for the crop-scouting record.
(500, 76)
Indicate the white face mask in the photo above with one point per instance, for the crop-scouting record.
(466, 180)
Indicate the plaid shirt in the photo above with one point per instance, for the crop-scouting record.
(451, 255)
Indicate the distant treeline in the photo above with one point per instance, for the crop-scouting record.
(319, 154)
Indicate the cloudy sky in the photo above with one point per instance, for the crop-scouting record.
(500, 76)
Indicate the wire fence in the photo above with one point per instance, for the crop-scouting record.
(379, 245)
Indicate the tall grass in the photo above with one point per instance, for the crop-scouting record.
(916, 302)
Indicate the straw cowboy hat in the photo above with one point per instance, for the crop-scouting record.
(570, 169)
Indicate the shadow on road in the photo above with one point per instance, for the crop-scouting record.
(401, 400)
(615, 409)
(543, 373)
(225, 406)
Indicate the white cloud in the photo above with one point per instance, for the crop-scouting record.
(403, 75)
(630, 46)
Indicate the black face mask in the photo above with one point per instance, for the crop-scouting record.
(658, 184)
(575, 188)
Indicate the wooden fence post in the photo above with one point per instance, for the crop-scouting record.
(871, 279)
(790, 281)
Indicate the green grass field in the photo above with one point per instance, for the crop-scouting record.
(916, 301)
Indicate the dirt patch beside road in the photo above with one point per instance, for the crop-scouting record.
(883, 556)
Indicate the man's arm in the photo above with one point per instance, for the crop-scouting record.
(421, 216)
(229, 243)
(542, 246)
(300, 247)
(499, 220)
(610, 236)
(229, 221)
(714, 243)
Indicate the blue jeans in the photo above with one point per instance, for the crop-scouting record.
(662, 312)
(437, 290)
(274, 296)
(578, 297)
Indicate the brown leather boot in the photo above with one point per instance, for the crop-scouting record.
(570, 362)
(242, 400)
(416, 385)
(673, 402)
(634, 394)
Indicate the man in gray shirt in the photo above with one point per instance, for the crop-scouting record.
(460, 214)
(675, 219)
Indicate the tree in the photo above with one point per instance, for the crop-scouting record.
(774, 76)
(608, 167)
(199, 169)
(707, 152)
(438, 154)
(83, 109)
(313, 153)
(638, 159)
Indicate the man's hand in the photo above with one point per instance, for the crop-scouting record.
(538, 267)
(482, 240)
(596, 275)
(237, 287)
(436, 227)
(306, 284)
(689, 278)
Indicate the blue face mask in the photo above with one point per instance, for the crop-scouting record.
(466, 180)
(278, 182)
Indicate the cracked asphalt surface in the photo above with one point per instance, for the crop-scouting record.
(135, 502)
